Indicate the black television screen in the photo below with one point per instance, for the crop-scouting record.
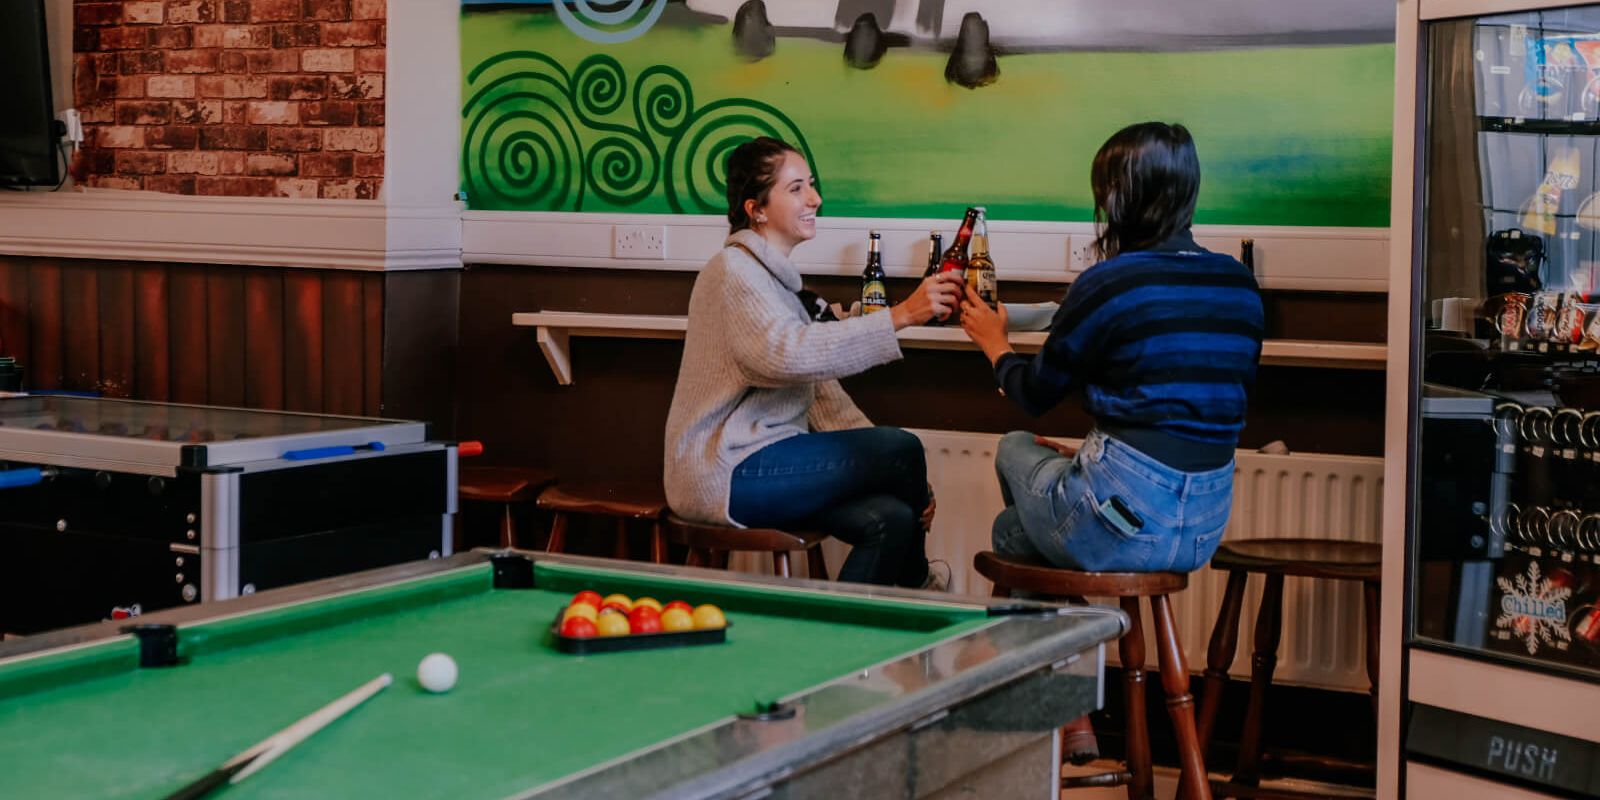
(27, 137)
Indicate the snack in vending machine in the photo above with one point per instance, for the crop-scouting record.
(1570, 322)
(1539, 212)
(1514, 306)
(1514, 259)
(1541, 319)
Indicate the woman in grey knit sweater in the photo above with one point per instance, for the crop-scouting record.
(760, 433)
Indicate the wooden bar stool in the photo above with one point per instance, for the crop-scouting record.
(709, 545)
(624, 501)
(506, 486)
(1277, 559)
(1011, 575)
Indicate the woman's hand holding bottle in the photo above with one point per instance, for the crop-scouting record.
(985, 326)
(934, 298)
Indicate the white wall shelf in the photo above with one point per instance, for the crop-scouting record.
(554, 331)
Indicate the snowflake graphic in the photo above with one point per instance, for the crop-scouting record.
(1533, 609)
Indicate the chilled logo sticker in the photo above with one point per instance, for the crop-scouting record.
(1534, 609)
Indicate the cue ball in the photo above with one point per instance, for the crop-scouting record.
(437, 672)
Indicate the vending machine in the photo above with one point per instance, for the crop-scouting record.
(1491, 656)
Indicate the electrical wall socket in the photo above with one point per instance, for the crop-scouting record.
(71, 125)
(639, 241)
(1080, 253)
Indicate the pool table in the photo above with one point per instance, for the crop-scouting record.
(820, 690)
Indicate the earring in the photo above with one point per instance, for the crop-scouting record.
(762, 218)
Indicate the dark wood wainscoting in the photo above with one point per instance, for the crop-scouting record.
(331, 341)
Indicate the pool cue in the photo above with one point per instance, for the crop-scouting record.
(267, 750)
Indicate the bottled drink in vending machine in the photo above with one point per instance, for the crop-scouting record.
(955, 258)
(874, 284)
(980, 267)
(935, 248)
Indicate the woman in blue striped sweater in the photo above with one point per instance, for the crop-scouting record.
(1162, 338)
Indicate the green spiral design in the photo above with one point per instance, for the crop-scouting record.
(696, 179)
(662, 101)
(537, 138)
(520, 147)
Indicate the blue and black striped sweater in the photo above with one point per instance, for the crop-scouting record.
(1164, 344)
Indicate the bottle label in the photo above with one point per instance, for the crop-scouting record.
(874, 297)
(986, 285)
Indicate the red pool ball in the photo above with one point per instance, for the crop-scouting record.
(677, 604)
(644, 620)
(579, 628)
(587, 598)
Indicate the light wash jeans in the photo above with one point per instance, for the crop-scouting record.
(866, 486)
(1060, 509)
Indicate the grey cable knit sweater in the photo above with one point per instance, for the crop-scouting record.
(757, 370)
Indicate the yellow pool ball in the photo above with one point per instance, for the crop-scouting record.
(617, 600)
(708, 616)
(584, 610)
(675, 620)
(650, 602)
(612, 625)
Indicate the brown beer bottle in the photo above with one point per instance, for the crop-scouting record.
(980, 267)
(874, 284)
(935, 248)
(955, 258)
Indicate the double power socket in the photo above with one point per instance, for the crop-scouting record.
(643, 242)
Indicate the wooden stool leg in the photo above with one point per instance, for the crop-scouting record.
(816, 564)
(558, 534)
(1131, 648)
(1369, 591)
(695, 558)
(620, 550)
(1263, 662)
(1180, 704)
(658, 543)
(1224, 643)
(780, 564)
(508, 528)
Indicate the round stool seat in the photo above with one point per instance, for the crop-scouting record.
(1307, 558)
(1040, 578)
(727, 537)
(635, 500)
(502, 484)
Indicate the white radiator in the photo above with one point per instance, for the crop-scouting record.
(1308, 495)
(1305, 495)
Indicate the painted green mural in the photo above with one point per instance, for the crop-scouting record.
(1293, 128)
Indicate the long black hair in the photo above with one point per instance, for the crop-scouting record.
(1145, 180)
(752, 171)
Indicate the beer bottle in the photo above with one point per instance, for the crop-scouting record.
(980, 267)
(935, 248)
(955, 258)
(874, 291)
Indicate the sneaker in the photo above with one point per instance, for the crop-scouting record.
(938, 579)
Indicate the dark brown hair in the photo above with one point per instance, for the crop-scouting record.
(1145, 179)
(752, 170)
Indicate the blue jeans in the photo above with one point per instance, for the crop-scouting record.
(1060, 509)
(867, 487)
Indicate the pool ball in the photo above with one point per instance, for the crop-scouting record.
(620, 601)
(678, 604)
(709, 616)
(674, 620)
(578, 628)
(584, 610)
(437, 672)
(649, 602)
(613, 625)
(587, 597)
(644, 620)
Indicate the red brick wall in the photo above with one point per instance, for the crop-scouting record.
(257, 98)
